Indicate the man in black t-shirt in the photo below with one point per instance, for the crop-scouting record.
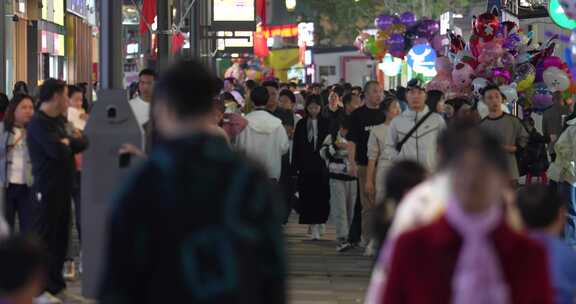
(362, 121)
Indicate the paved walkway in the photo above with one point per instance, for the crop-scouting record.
(317, 273)
(320, 275)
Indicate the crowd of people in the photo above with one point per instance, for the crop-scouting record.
(421, 183)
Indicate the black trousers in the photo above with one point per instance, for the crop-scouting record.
(77, 198)
(355, 233)
(19, 203)
(55, 233)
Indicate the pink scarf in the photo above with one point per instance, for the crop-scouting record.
(478, 277)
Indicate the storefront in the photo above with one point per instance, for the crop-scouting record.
(16, 46)
(52, 34)
(78, 42)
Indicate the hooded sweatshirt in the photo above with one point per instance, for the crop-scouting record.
(264, 140)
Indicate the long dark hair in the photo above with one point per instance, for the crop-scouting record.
(310, 99)
(10, 119)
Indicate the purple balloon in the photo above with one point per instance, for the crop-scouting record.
(432, 27)
(395, 42)
(408, 19)
(383, 22)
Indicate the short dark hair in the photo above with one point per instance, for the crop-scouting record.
(402, 177)
(288, 94)
(20, 87)
(259, 96)
(491, 87)
(347, 98)
(466, 136)
(188, 87)
(251, 84)
(338, 89)
(457, 103)
(368, 84)
(72, 89)
(21, 258)
(148, 72)
(539, 206)
(49, 88)
(227, 96)
(270, 83)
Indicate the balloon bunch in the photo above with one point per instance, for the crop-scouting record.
(502, 54)
(397, 34)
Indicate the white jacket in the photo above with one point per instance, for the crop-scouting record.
(264, 140)
(422, 145)
(563, 169)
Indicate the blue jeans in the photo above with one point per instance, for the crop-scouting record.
(570, 228)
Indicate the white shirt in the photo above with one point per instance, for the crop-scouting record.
(141, 110)
(16, 159)
(4, 230)
(265, 141)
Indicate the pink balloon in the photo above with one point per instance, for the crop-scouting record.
(483, 70)
(439, 83)
(508, 59)
(437, 43)
(443, 66)
(462, 75)
(489, 52)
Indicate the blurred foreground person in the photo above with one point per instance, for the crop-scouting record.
(470, 254)
(196, 223)
(544, 215)
(23, 274)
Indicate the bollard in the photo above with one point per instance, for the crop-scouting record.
(111, 124)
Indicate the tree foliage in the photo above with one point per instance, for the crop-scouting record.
(338, 22)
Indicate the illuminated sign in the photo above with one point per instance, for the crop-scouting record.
(559, 17)
(421, 59)
(53, 11)
(233, 10)
(390, 65)
(306, 34)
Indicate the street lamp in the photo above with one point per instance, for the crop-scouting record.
(291, 5)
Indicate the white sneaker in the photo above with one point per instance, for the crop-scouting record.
(370, 250)
(47, 298)
(69, 271)
(315, 232)
(341, 247)
(68, 297)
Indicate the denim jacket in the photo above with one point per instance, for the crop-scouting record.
(6, 139)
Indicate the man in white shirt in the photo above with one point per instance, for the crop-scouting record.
(141, 104)
(264, 139)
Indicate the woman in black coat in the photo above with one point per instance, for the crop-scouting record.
(313, 183)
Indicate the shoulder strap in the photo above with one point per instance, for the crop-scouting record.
(409, 134)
